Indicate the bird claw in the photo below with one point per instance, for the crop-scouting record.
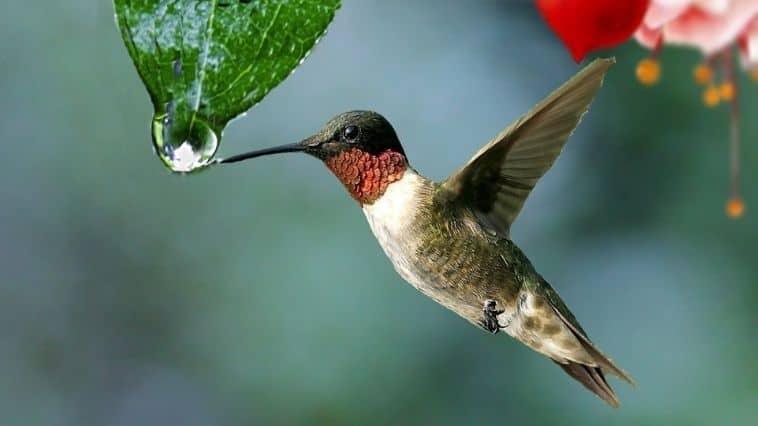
(489, 321)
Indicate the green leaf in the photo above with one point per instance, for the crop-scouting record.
(205, 62)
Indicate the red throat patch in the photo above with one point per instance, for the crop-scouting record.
(366, 176)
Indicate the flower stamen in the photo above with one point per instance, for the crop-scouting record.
(703, 74)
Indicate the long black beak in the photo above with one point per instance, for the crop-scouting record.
(293, 147)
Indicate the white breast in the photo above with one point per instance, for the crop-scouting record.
(391, 218)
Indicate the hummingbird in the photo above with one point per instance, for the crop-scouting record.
(451, 239)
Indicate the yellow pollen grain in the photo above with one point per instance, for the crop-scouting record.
(735, 208)
(726, 91)
(702, 74)
(648, 71)
(711, 96)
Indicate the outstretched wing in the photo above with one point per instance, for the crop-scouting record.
(499, 178)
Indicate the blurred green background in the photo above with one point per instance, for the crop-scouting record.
(256, 294)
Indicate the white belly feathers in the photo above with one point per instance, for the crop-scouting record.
(390, 218)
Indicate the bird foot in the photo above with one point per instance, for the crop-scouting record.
(489, 321)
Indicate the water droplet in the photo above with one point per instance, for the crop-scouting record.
(182, 147)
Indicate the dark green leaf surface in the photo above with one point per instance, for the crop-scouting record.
(204, 62)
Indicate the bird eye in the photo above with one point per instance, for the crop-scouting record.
(350, 133)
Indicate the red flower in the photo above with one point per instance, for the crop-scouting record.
(586, 25)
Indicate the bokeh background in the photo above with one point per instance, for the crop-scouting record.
(256, 294)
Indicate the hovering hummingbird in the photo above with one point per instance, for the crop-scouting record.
(451, 239)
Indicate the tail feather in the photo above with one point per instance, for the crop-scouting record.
(599, 357)
(591, 368)
(593, 379)
(545, 323)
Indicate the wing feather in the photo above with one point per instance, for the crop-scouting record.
(499, 177)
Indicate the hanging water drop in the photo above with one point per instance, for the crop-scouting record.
(183, 145)
(193, 58)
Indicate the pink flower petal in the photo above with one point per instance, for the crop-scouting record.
(710, 32)
(749, 45)
(714, 6)
(659, 14)
(647, 36)
(675, 3)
